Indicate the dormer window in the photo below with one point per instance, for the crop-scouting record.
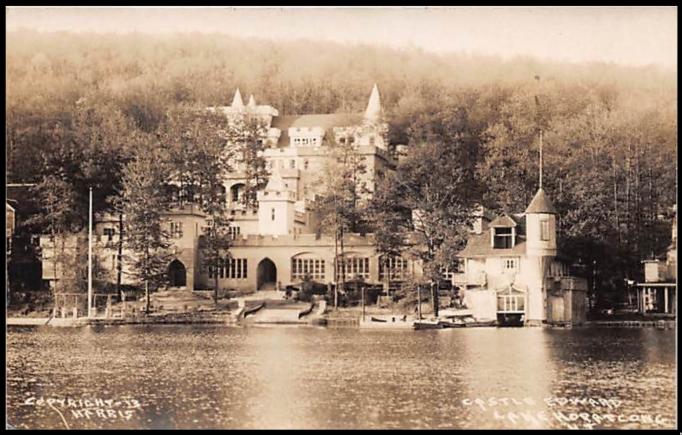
(503, 238)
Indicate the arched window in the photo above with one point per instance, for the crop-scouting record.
(236, 193)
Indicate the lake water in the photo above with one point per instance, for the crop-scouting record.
(181, 376)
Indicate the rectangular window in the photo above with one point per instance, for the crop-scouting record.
(302, 267)
(356, 267)
(510, 263)
(233, 268)
(397, 267)
(176, 230)
(502, 238)
(510, 303)
(273, 214)
(109, 233)
(544, 229)
(234, 232)
(292, 164)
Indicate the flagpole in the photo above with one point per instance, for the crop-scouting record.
(90, 256)
(540, 158)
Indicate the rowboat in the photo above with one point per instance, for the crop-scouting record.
(427, 324)
(470, 322)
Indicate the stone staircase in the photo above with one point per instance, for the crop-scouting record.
(280, 314)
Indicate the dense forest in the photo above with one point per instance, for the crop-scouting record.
(610, 132)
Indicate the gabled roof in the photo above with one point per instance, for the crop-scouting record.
(317, 120)
(478, 245)
(541, 204)
(503, 221)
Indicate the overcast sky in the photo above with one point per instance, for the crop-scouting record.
(625, 35)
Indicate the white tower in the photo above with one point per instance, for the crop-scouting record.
(374, 128)
(540, 249)
(541, 226)
(276, 210)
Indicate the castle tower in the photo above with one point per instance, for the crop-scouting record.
(374, 129)
(276, 210)
(541, 226)
(541, 249)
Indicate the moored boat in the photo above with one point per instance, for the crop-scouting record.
(427, 324)
(452, 323)
(470, 322)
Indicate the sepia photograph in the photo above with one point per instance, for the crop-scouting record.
(341, 217)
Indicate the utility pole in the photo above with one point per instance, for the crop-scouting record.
(594, 283)
(419, 301)
(90, 256)
(362, 290)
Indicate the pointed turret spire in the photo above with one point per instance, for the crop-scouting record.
(252, 102)
(237, 102)
(541, 204)
(374, 106)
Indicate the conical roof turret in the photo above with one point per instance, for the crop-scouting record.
(373, 110)
(541, 204)
(237, 102)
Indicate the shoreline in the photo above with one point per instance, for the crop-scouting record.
(332, 323)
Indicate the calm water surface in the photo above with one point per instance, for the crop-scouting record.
(184, 376)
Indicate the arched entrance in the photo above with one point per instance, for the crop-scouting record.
(266, 275)
(177, 274)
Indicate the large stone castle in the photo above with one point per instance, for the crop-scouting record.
(509, 267)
